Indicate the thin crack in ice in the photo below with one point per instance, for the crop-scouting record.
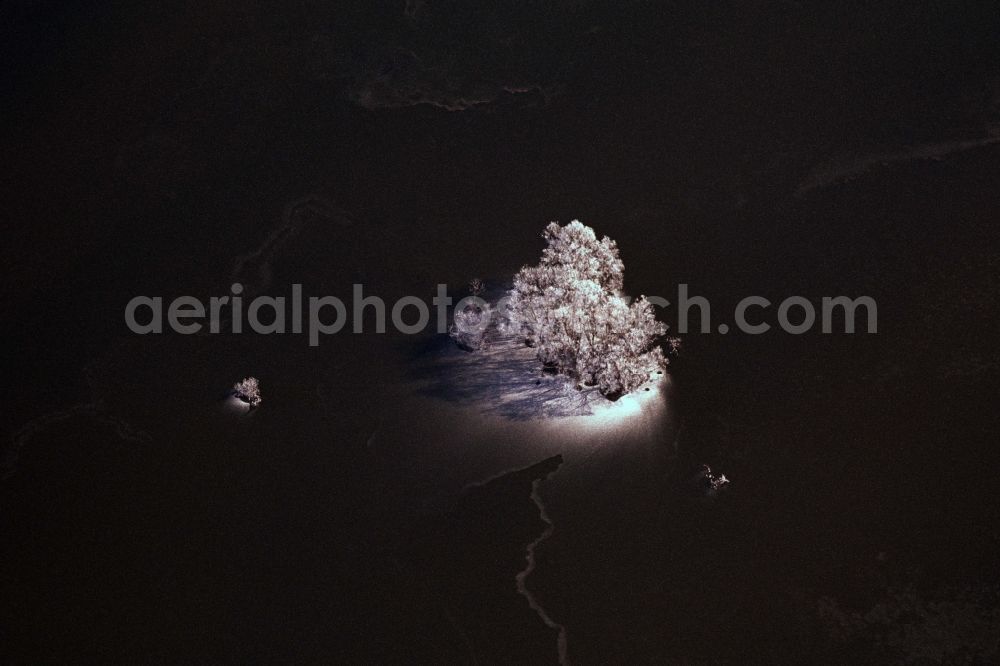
(847, 168)
(254, 268)
(522, 588)
(20, 438)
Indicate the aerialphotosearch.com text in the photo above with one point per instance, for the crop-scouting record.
(317, 316)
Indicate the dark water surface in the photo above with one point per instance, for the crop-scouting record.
(377, 508)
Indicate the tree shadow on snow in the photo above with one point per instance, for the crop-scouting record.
(505, 379)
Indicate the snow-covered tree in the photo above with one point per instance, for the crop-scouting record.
(571, 309)
(470, 325)
(248, 391)
(472, 320)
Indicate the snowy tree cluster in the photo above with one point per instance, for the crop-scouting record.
(570, 307)
(470, 325)
(472, 320)
(248, 391)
